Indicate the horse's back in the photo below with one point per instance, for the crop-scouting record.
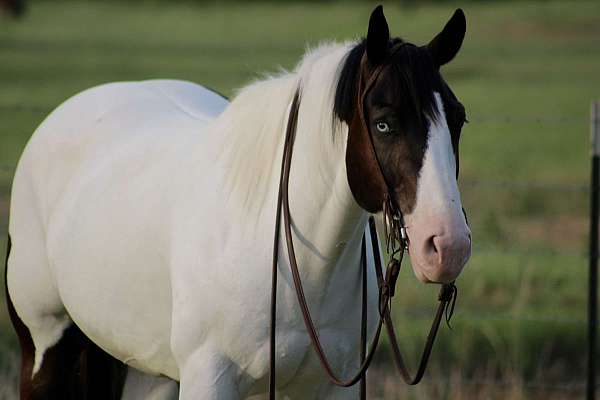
(95, 126)
(130, 104)
(90, 191)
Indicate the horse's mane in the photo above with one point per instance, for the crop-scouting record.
(252, 127)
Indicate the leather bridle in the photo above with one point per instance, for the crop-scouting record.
(396, 244)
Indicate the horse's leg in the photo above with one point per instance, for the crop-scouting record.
(57, 360)
(100, 376)
(143, 386)
(73, 368)
(48, 344)
(50, 379)
(77, 369)
(208, 375)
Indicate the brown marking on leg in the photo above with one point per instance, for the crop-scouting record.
(102, 375)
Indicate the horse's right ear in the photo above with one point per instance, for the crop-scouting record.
(446, 44)
(378, 37)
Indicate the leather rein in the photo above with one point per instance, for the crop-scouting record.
(396, 244)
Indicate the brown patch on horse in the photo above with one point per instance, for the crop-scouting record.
(362, 168)
(380, 163)
(102, 375)
(73, 369)
(391, 82)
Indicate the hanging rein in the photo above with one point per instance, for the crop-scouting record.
(396, 244)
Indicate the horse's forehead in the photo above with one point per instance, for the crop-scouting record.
(386, 87)
(406, 87)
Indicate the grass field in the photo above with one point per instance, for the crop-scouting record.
(526, 74)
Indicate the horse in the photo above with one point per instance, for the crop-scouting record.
(142, 216)
(15, 7)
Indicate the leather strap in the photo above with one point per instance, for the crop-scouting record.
(283, 206)
(386, 285)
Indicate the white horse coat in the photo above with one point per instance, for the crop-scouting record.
(144, 213)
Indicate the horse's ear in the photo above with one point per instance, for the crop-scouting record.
(446, 44)
(378, 37)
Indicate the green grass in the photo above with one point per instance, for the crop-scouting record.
(526, 74)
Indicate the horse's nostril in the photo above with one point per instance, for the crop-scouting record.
(431, 246)
(442, 254)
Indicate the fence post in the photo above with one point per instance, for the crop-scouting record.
(593, 267)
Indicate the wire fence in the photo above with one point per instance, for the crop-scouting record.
(494, 183)
(473, 183)
(480, 119)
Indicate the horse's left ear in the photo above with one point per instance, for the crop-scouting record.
(378, 37)
(446, 44)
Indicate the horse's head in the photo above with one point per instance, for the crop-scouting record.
(404, 129)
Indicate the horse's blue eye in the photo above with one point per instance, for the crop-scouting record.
(383, 127)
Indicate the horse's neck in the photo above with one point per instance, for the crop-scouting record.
(327, 223)
(324, 210)
(324, 213)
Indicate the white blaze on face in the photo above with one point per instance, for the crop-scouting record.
(440, 240)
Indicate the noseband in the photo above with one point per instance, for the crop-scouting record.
(396, 244)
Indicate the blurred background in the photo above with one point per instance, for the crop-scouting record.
(526, 74)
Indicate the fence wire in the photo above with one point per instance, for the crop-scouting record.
(481, 119)
(473, 183)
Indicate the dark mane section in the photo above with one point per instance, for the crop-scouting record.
(347, 86)
(416, 75)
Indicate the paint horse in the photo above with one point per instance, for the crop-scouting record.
(142, 218)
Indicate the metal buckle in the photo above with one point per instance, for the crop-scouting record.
(404, 237)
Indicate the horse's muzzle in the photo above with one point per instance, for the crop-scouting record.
(439, 254)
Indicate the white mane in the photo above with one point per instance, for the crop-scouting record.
(252, 128)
